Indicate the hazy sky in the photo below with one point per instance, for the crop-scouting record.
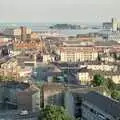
(58, 10)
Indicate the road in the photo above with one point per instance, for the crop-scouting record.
(15, 115)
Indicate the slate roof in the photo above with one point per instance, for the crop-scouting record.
(104, 103)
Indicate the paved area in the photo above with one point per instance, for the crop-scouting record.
(15, 115)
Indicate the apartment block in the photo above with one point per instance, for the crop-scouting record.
(74, 99)
(75, 54)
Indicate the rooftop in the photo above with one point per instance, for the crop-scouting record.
(104, 73)
(53, 87)
(15, 85)
(78, 90)
(106, 43)
(104, 103)
(31, 90)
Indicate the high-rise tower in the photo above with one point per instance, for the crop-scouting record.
(114, 24)
(23, 33)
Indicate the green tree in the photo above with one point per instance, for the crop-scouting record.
(115, 56)
(118, 58)
(6, 78)
(110, 84)
(98, 80)
(55, 79)
(99, 57)
(1, 78)
(115, 95)
(52, 112)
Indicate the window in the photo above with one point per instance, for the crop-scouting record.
(91, 110)
(107, 119)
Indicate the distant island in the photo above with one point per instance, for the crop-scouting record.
(65, 26)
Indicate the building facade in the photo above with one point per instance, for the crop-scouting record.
(84, 77)
(10, 68)
(74, 98)
(75, 54)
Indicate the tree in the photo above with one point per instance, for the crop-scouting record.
(115, 95)
(52, 112)
(118, 58)
(1, 78)
(115, 56)
(98, 80)
(110, 84)
(6, 78)
(99, 57)
(55, 79)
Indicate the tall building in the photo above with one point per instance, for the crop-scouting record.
(114, 24)
(23, 33)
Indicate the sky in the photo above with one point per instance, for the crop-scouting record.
(58, 10)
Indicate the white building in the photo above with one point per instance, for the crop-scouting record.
(114, 24)
(48, 58)
(84, 77)
(108, 59)
(75, 54)
(101, 67)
